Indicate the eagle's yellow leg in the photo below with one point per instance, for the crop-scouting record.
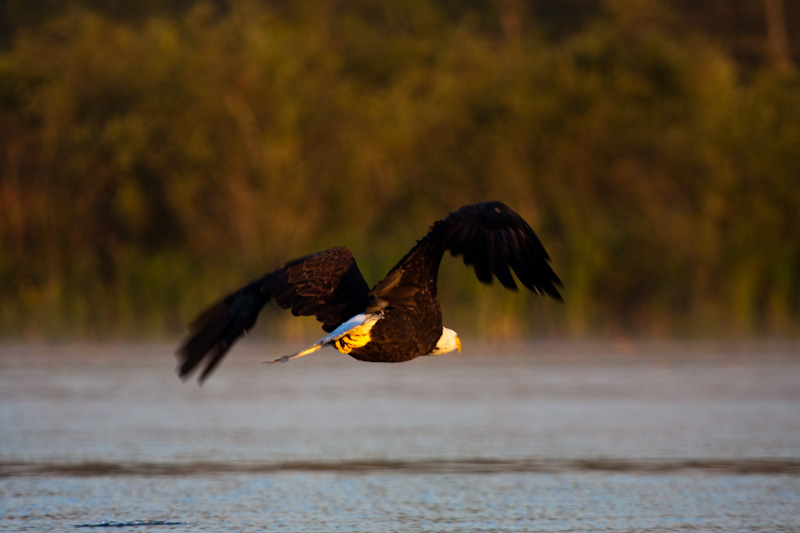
(355, 338)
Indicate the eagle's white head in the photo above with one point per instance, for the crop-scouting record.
(448, 342)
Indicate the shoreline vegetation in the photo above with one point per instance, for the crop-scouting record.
(152, 161)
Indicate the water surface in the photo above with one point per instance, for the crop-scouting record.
(539, 437)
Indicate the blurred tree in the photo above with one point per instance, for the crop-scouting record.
(776, 33)
(155, 157)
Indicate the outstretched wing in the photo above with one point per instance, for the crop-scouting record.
(327, 285)
(491, 237)
(495, 240)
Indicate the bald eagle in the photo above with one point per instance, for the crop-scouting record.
(397, 320)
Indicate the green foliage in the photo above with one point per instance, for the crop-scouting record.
(147, 167)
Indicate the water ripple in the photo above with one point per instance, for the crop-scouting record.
(426, 466)
(134, 523)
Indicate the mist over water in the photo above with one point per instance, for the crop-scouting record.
(538, 437)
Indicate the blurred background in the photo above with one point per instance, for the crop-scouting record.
(155, 155)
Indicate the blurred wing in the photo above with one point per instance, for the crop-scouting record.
(327, 285)
(495, 240)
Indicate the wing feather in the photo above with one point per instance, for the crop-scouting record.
(327, 285)
(477, 252)
(517, 264)
(501, 256)
(490, 237)
(495, 240)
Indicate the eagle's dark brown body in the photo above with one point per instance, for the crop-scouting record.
(328, 285)
(413, 323)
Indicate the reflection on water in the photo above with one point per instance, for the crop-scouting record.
(548, 437)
